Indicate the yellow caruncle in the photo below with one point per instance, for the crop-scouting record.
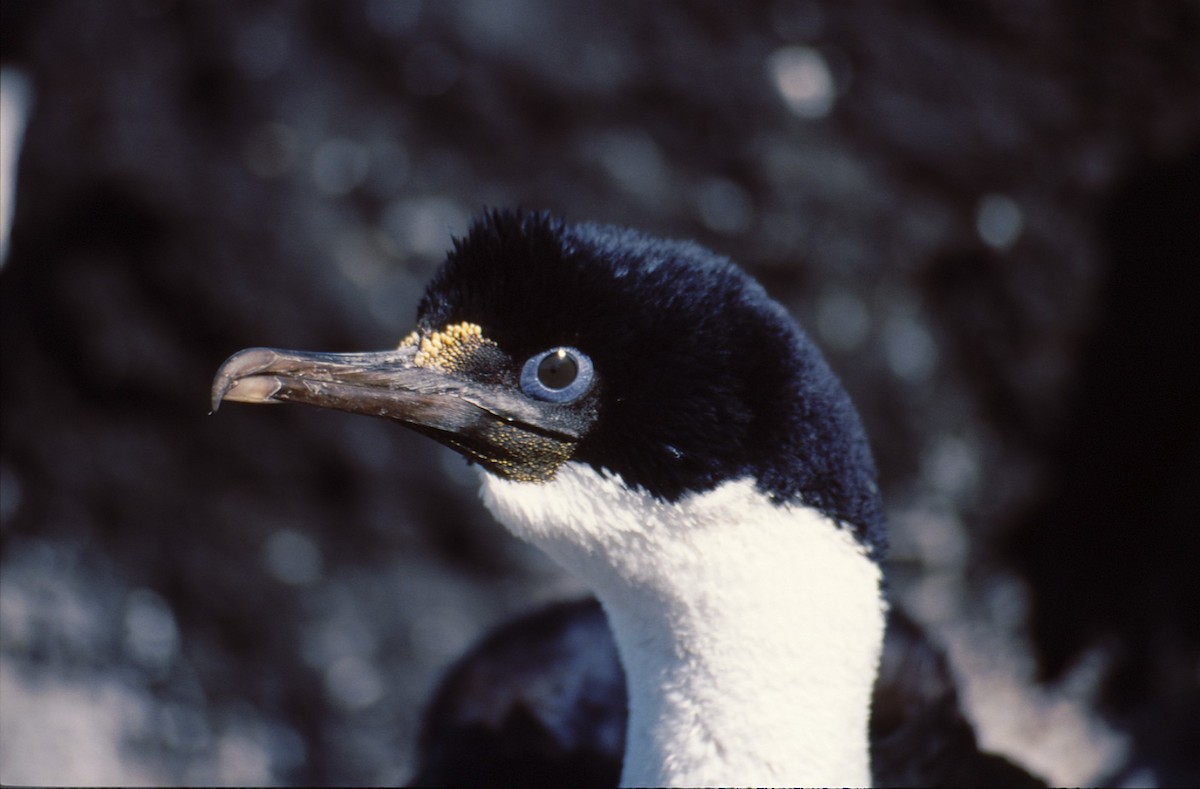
(447, 349)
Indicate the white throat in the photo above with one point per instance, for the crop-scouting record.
(750, 632)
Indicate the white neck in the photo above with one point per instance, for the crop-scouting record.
(750, 632)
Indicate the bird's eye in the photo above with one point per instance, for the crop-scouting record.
(558, 375)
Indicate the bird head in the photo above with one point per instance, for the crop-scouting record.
(540, 345)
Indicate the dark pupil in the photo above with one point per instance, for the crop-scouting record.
(558, 370)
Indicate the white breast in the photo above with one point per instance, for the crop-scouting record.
(750, 632)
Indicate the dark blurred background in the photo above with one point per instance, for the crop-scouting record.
(987, 213)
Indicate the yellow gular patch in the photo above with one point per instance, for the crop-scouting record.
(527, 457)
(448, 349)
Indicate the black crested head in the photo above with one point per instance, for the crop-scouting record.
(700, 376)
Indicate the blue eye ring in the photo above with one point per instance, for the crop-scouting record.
(559, 375)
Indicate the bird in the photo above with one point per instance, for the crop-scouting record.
(643, 412)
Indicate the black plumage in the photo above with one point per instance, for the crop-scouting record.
(541, 702)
